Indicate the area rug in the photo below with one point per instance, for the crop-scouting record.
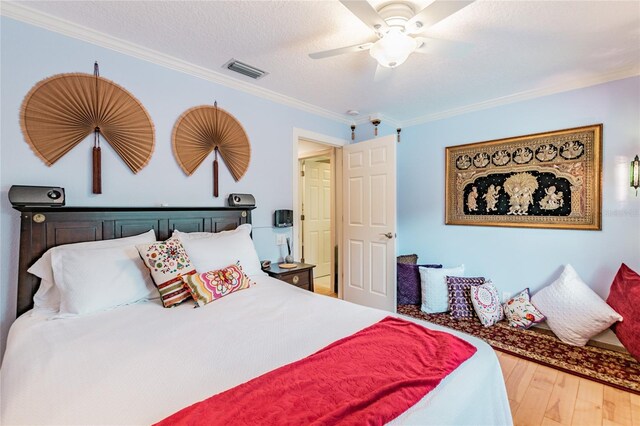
(611, 368)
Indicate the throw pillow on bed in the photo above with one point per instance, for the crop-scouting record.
(520, 312)
(459, 289)
(409, 283)
(435, 293)
(624, 298)
(574, 312)
(486, 303)
(168, 262)
(213, 285)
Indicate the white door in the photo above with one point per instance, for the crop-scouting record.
(317, 216)
(369, 220)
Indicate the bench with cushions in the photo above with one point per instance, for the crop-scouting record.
(571, 309)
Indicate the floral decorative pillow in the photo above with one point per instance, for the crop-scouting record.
(213, 285)
(168, 262)
(460, 295)
(520, 312)
(486, 303)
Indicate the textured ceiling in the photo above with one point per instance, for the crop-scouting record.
(515, 47)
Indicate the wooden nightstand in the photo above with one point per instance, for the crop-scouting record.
(300, 276)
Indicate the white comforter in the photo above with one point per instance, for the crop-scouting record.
(140, 363)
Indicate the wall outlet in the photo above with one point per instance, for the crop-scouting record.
(281, 239)
(506, 296)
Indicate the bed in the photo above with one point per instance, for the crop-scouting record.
(140, 363)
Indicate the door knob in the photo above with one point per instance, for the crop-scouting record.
(389, 235)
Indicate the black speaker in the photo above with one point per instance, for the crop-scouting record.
(36, 196)
(283, 218)
(242, 200)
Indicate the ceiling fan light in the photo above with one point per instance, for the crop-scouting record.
(393, 48)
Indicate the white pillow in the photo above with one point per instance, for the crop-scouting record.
(212, 251)
(48, 296)
(98, 279)
(435, 292)
(574, 312)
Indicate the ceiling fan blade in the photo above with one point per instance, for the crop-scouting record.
(432, 14)
(340, 51)
(446, 48)
(366, 13)
(382, 73)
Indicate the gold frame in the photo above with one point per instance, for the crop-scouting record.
(581, 169)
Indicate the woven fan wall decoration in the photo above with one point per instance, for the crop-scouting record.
(206, 128)
(61, 111)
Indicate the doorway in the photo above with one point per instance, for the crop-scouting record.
(317, 202)
(316, 207)
(365, 261)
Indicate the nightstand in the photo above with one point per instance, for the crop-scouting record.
(300, 276)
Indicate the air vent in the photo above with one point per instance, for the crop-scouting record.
(245, 69)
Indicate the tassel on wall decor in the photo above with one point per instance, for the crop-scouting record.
(215, 172)
(97, 163)
(97, 152)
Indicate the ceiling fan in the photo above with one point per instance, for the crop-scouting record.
(396, 26)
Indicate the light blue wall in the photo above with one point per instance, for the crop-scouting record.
(30, 54)
(519, 257)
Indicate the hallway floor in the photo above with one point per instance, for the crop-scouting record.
(322, 285)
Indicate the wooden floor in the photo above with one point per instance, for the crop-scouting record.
(540, 395)
(323, 286)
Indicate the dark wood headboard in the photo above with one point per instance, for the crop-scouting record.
(44, 228)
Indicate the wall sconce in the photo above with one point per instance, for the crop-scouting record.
(376, 123)
(353, 132)
(634, 174)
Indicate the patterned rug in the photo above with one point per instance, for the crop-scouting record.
(612, 368)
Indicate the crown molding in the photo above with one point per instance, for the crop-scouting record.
(572, 84)
(49, 22)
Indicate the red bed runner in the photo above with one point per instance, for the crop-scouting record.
(370, 377)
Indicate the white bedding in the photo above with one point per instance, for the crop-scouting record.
(140, 363)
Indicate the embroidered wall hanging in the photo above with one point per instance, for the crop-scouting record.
(207, 128)
(61, 111)
(544, 180)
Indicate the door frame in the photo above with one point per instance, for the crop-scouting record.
(314, 155)
(330, 142)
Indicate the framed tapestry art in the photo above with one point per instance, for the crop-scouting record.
(544, 180)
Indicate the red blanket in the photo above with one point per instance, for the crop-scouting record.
(370, 377)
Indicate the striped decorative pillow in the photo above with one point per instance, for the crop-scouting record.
(168, 262)
(212, 285)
